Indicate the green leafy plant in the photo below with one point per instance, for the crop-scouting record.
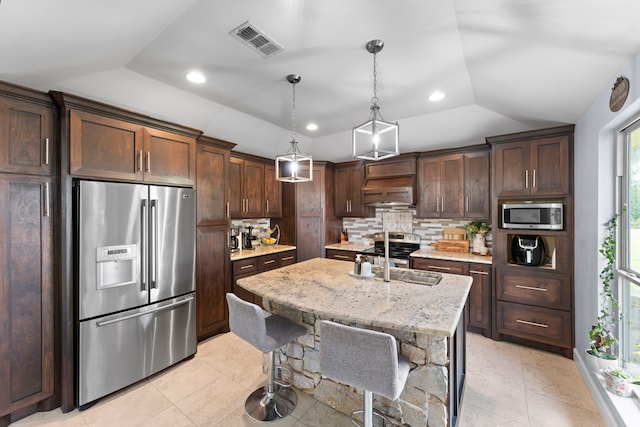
(477, 227)
(601, 334)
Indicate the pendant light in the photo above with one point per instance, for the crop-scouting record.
(294, 166)
(376, 139)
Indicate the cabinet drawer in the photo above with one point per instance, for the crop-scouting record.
(245, 266)
(534, 323)
(452, 267)
(286, 258)
(268, 262)
(341, 255)
(546, 290)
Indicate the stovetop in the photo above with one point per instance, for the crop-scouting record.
(401, 245)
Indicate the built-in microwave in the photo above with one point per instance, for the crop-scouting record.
(533, 216)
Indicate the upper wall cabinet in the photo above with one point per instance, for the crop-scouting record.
(476, 184)
(254, 191)
(348, 189)
(107, 142)
(533, 163)
(26, 131)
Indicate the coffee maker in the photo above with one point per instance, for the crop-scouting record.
(235, 243)
(248, 236)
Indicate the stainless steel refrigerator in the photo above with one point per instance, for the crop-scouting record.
(135, 276)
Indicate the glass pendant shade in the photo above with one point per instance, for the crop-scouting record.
(294, 166)
(375, 139)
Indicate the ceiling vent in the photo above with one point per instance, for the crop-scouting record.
(256, 39)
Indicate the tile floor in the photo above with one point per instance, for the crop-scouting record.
(507, 385)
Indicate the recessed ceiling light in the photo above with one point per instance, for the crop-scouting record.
(436, 96)
(312, 126)
(196, 77)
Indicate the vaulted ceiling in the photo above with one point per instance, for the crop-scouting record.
(504, 65)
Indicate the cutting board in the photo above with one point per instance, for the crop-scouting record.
(454, 234)
(446, 245)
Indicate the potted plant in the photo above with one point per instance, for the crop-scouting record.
(601, 335)
(476, 231)
(619, 382)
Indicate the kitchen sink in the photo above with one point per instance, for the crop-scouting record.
(419, 277)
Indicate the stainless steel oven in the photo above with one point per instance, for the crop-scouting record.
(401, 245)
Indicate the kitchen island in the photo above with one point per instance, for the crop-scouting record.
(427, 321)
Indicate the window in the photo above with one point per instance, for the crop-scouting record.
(629, 251)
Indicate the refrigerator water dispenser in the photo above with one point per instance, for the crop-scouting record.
(116, 266)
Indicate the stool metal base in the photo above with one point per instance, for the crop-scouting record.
(264, 406)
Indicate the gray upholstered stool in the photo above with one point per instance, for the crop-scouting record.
(266, 333)
(364, 359)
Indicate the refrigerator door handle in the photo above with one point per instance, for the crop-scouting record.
(144, 245)
(153, 258)
(143, 313)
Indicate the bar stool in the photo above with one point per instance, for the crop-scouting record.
(266, 333)
(364, 359)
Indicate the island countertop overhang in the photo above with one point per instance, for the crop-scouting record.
(325, 287)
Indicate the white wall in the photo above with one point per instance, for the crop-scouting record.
(595, 185)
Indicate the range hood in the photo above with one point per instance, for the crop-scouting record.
(390, 191)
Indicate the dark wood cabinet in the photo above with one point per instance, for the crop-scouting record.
(213, 280)
(478, 307)
(213, 272)
(341, 255)
(349, 179)
(249, 266)
(27, 292)
(213, 157)
(534, 305)
(27, 139)
(537, 166)
(247, 187)
(477, 185)
(441, 186)
(310, 222)
(272, 193)
(102, 146)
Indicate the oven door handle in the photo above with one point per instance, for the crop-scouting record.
(400, 263)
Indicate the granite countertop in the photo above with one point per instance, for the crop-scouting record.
(354, 247)
(326, 288)
(259, 250)
(451, 256)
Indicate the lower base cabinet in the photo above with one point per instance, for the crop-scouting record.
(478, 310)
(341, 255)
(213, 280)
(250, 266)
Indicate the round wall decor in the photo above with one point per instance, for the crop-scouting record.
(619, 93)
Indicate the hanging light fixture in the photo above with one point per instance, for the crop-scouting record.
(294, 166)
(376, 139)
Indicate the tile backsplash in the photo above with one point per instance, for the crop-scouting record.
(361, 230)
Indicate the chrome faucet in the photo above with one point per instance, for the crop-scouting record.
(387, 273)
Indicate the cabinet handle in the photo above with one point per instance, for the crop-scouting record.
(442, 204)
(226, 210)
(267, 205)
(247, 209)
(243, 203)
(46, 211)
(531, 288)
(148, 161)
(271, 261)
(46, 151)
(466, 203)
(287, 258)
(526, 178)
(244, 267)
(484, 273)
(435, 267)
(342, 257)
(140, 161)
(437, 204)
(539, 325)
(533, 185)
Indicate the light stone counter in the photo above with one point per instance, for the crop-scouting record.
(451, 256)
(324, 287)
(259, 250)
(353, 247)
(427, 322)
